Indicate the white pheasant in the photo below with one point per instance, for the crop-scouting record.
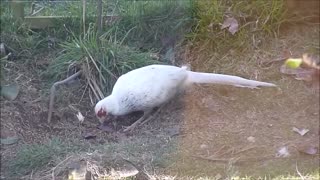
(151, 86)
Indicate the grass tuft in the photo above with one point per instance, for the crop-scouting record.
(101, 64)
(211, 45)
(153, 24)
(37, 156)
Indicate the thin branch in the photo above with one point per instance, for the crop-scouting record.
(37, 11)
(302, 178)
(245, 149)
(53, 90)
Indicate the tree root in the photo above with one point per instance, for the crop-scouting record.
(53, 90)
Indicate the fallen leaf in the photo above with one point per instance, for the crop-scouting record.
(293, 63)
(155, 56)
(89, 136)
(10, 91)
(302, 132)
(2, 49)
(9, 140)
(80, 117)
(311, 61)
(310, 150)
(283, 152)
(306, 68)
(300, 73)
(232, 23)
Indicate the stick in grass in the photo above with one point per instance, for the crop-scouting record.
(53, 90)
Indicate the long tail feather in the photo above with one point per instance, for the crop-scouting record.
(210, 78)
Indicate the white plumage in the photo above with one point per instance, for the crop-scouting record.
(148, 87)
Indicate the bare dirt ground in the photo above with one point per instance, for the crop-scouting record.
(211, 131)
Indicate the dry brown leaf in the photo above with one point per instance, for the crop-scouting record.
(311, 61)
(308, 71)
(89, 136)
(283, 152)
(232, 24)
(302, 132)
(303, 74)
(308, 149)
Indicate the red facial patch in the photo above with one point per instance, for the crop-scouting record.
(101, 113)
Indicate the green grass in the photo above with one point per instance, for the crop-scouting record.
(144, 28)
(17, 36)
(38, 156)
(256, 18)
(125, 45)
(102, 63)
(150, 24)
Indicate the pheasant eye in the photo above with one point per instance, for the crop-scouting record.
(101, 113)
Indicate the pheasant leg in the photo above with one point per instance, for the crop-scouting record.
(157, 112)
(135, 124)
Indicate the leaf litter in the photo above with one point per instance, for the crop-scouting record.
(302, 132)
(306, 68)
(232, 24)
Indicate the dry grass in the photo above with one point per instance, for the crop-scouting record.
(219, 120)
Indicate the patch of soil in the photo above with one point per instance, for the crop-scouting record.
(216, 128)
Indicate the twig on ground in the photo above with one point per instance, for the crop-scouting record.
(84, 91)
(245, 149)
(237, 160)
(302, 178)
(53, 90)
(213, 159)
(219, 150)
(36, 100)
(53, 169)
(230, 150)
(268, 63)
(50, 172)
(36, 12)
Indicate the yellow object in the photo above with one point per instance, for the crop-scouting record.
(293, 63)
